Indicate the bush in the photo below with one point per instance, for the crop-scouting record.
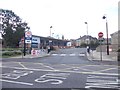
(17, 53)
(11, 49)
(8, 54)
(11, 53)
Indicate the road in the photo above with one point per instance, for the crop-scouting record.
(66, 68)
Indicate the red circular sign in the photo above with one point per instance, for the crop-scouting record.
(28, 34)
(100, 34)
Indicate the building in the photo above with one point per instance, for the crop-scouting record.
(85, 39)
(115, 41)
(39, 42)
(73, 42)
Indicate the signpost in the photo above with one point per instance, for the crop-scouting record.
(100, 35)
(22, 44)
(27, 39)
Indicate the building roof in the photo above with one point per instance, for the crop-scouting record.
(51, 38)
(85, 37)
(115, 33)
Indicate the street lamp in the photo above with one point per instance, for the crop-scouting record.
(104, 17)
(50, 30)
(52, 34)
(87, 31)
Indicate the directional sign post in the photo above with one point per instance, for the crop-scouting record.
(100, 35)
(27, 39)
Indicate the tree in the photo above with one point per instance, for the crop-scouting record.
(83, 44)
(12, 28)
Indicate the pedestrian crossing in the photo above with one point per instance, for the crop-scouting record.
(62, 55)
(96, 81)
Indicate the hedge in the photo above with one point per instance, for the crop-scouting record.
(11, 53)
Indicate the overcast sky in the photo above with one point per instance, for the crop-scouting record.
(67, 17)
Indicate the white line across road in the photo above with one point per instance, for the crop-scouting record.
(15, 82)
(73, 54)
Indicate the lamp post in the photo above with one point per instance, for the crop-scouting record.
(50, 30)
(52, 34)
(87, 31)
(104, 17)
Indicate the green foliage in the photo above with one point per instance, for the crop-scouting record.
(8, 54)
(83, 45)
(11, 53)
(11, 49)
(93, 44)
(12, 28)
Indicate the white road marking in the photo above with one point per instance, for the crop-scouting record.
(46, 66)
(62, 54)
(72, 54)
(15, 74)
(16, 82)
(22, 65)
(101, 82)
(98, 73)
(53, 78)
(94, 76)
(82, 55)
(53, 81)
(54, 54)
(105, 69)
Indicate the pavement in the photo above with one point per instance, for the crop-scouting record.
(94, 55)
(43, 54)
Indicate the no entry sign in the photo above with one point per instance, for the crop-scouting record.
(100, 34)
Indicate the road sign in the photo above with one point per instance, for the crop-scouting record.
(28, 34)
(100, 34)
(28, 37)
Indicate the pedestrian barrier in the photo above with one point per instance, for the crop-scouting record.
(38, 52)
